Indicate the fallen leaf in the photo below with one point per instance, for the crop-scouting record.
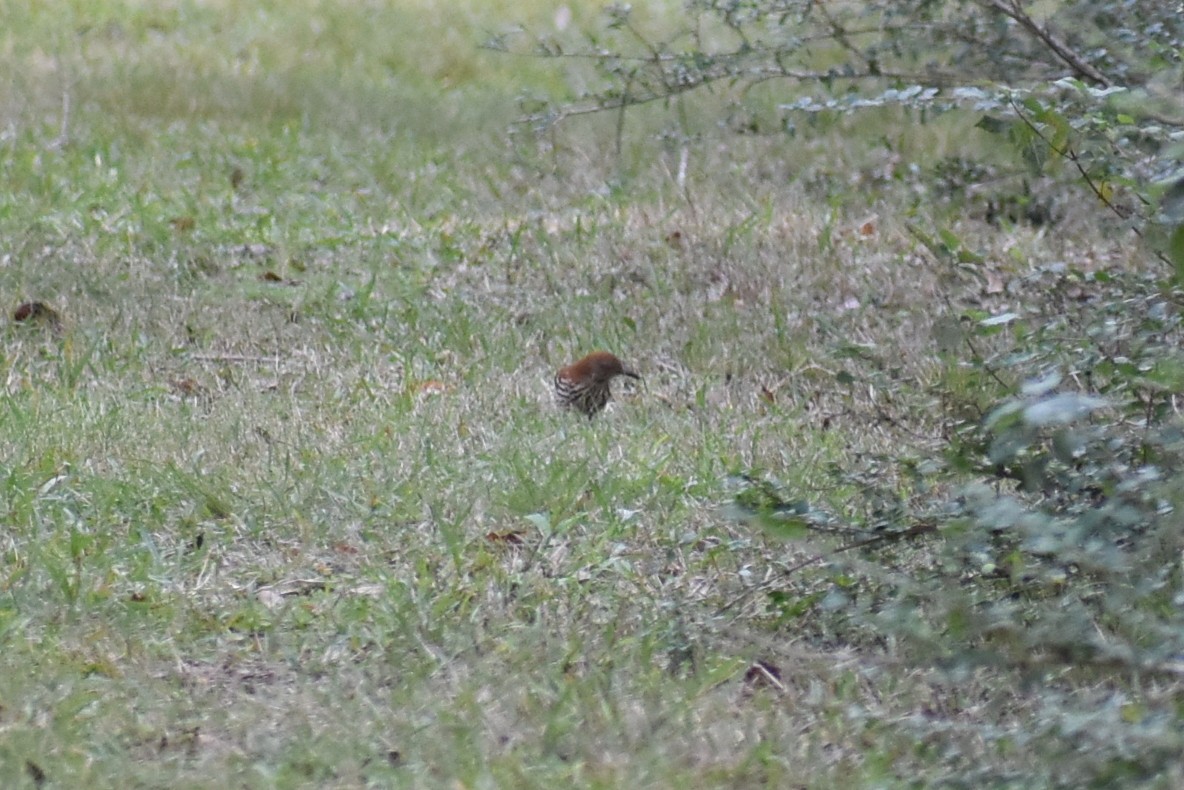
(186, 387)
(510, 537)
(37, 312)
(767, 395)
(183, 224)
(763, 674)
(32, 311)
(430, 387)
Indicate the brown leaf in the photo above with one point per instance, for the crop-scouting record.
(429, 387)
(37, 312)
(767, 395)
(236, 178)
(763, 674)
(186, 387)
(509, 537)
(28, 311)
(183, 224)
(270, 276)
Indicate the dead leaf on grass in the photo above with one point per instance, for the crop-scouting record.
(37, 313)
(183, 224)
(763, 674)
(187, 388)
(271, 277)
(429, 387)
(507, 537)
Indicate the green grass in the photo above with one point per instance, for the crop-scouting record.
(286, 503)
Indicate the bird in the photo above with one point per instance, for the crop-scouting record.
(584, 384)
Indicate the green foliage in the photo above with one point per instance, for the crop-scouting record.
(1092, 85)
(1055, 549)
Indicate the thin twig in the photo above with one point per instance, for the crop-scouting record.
(592, 54)
(1013, 10)
(976, 354)
(620, 136)
(63, 137)
(756, 74)
(1068, 152)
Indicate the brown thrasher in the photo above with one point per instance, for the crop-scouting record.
(584, 384)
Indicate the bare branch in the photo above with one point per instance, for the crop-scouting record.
(1083, 68)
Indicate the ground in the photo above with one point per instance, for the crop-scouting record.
(285, 500)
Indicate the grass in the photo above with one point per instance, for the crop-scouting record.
(285, 502)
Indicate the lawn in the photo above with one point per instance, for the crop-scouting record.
(285, 500)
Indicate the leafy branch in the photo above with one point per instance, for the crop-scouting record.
(1097, 67)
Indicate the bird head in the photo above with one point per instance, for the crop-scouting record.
(605, 366)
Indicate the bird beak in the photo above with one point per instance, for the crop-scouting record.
(631, 373)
